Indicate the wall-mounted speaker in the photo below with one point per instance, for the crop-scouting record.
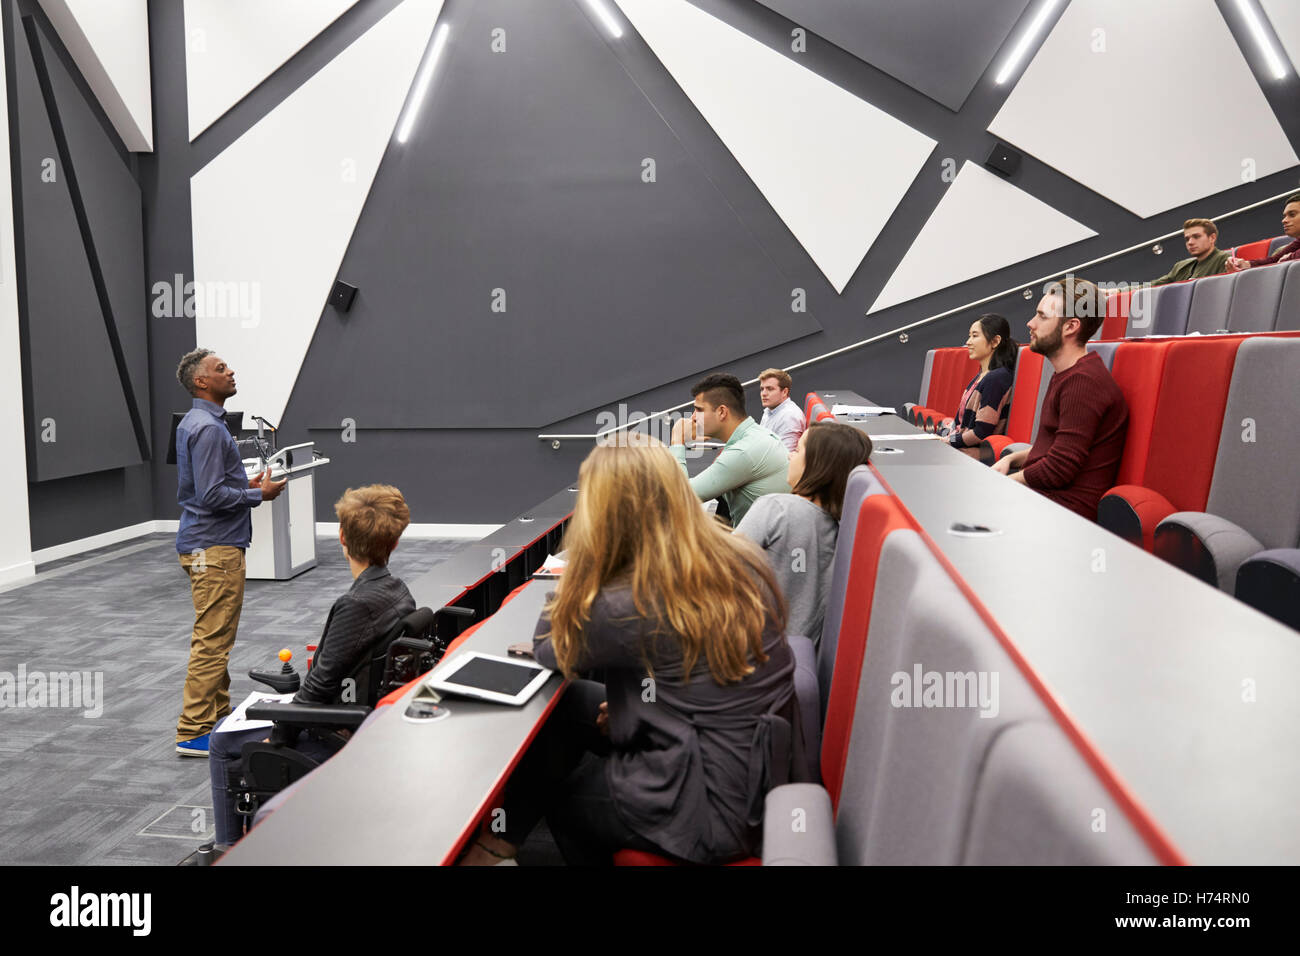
(1003, 160)
(342, 295)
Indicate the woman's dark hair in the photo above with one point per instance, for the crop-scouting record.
(831, 451)
(1004, 356)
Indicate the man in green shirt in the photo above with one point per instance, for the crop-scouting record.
(753, 463)
(1200, 236)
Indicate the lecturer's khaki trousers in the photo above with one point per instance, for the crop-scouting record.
(217, 587)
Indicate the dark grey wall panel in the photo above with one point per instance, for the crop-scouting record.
(165, 187)
(110, 198)
(68, 509)
(65, 509)
(940, 47)
(524, 174)
(68, 358)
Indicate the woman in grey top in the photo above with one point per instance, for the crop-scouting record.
(798, 531)
(673, 752)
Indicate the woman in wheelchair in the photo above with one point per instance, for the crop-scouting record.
(684, 624)
(371, 519)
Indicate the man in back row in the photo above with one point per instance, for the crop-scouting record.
(753, 462)
(781, 416)
(1288, 253)
(1200, 236)
(1076, 456)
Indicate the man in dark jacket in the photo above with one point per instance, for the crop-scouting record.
(1200, 236)
(371, 519)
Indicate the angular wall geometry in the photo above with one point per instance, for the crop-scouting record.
(833, 166)
(16, 541)
(113, 210)
(109, 40)
(273, 214)
(939, 47)
(998, 225)
(89, 427)
(517, 232)
(233, 45)
(1129, 134)
(1285, 17)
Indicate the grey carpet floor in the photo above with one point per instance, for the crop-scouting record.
(110, 789)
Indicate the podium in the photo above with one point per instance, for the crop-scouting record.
(284, 530)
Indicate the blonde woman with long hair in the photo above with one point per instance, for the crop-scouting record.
(684, 624)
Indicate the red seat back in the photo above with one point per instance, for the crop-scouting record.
(1254, 250)
(878, 516)
(810, 401)
(1137, 370)
(1024, 400)
(951, 370)
(1116, 322)
(1189, 418)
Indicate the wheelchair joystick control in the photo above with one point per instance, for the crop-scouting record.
(283, 681)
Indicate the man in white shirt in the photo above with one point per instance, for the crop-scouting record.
(781, 416)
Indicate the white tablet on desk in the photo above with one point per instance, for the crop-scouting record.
(502, 680)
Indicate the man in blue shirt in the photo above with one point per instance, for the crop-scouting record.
(216, 527)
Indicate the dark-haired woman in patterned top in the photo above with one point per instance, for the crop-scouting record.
(986, 402)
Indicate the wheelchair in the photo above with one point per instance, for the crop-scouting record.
(412, 647)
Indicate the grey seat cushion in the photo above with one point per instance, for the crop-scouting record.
(1258, 458)
(1288, 306)
(860, 485)
(1141, 312)
(1038, 803)
(1206, 545)
(910, 772)
(1106, 350)
(1211, 300)
(1255, 301)
(1171, 309)
(808, 694)
(798, 826)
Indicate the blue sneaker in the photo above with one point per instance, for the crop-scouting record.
(198, 747)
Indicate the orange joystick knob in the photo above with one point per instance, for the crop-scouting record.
(286, 654)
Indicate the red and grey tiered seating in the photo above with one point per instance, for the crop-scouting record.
(1253, 503)
(943, 785)
(1174, 423)
(947, 373)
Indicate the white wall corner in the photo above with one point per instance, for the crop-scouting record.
(109, 41)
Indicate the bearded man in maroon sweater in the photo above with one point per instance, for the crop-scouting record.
(1084, 418)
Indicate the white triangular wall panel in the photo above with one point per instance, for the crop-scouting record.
(233, 45)
(109, 41)
(833, 166)
(1285, 17)
(998, 225)
(1127, 129)
(273, 214)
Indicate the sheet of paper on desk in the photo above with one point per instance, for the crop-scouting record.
(860, 410)
(923, 436)
(552, 567)
(238, 719)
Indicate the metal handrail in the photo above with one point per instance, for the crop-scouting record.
(926, 321)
